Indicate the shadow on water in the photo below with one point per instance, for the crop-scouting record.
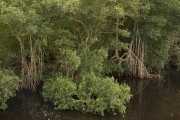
(155, 99)
(152, 100)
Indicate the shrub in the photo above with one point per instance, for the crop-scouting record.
(98, 94)
(93, 94)
(9, 83)
(60, 91)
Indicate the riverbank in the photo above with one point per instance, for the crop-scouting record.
(153, 100)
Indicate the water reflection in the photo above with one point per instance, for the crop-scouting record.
(33, 108)
(152, 100)
(135, 107)
(156, 99)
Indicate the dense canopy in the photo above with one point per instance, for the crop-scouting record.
(72, 47)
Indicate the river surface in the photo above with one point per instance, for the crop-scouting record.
(152, 100)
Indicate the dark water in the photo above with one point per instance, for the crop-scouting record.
(152, 100)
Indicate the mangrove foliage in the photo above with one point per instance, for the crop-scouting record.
(74, 50)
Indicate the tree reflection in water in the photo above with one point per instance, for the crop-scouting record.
(34, 108)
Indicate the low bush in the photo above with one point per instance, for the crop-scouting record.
(93, 94)
(60, 91)
(98, 94)
(9, 83)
